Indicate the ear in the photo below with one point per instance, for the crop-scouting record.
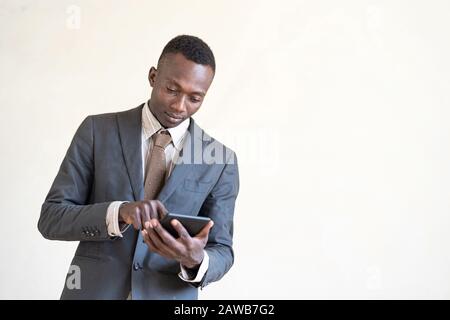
(152, 76)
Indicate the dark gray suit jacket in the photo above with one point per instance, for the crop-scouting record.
(104, 164)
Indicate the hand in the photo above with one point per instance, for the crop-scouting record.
(186, 249)
(139, 212)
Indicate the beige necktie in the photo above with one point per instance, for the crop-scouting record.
(156, 165)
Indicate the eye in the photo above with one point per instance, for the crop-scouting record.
(195, 100)
(171, 90)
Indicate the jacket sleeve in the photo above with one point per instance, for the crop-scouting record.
(65, 213)
(219, 206)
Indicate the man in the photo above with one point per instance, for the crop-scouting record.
(124, 171)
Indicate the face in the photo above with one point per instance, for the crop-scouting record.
(179, 87)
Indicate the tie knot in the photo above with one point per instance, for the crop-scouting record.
(162, 138)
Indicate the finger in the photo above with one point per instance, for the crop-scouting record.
(166, 237)
(159, 243)
(145, 213)
(153, 209)
(182, 232)
(137, 218)
(204, 233)
(151, 245)
(162, 211)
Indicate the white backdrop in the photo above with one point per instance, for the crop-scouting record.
(338, 111)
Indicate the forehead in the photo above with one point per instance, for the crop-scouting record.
(187, 74)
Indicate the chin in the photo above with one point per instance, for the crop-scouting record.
(167, 126)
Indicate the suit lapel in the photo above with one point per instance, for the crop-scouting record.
(190, 153)
(130, 132)
(130, 128)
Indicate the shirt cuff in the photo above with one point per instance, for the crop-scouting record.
(184, 275)
(112, 219)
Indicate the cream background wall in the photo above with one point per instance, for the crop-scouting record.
(338, 111)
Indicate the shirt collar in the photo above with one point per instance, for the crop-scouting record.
(150, 125)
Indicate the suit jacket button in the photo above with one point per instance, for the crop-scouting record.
(136, 266)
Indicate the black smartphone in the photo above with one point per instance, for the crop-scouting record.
(193, 224)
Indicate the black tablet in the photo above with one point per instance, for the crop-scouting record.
(193, 224)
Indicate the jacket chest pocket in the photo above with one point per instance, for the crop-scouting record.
(196, 186)
(188, 197)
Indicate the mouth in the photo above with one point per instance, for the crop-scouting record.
(173, 118)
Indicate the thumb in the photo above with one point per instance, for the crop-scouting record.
(205, 231)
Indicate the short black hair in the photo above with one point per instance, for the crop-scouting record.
(192, 48)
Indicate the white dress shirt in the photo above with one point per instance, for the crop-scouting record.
(150, 125)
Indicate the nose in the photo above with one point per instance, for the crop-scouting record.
(179, 105)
